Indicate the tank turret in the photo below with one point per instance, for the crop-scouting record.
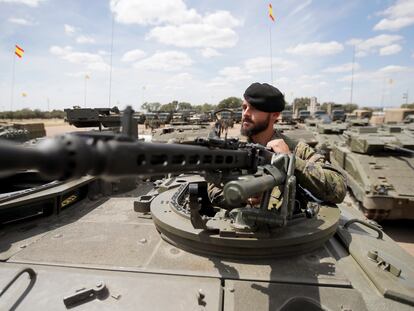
(380, 169)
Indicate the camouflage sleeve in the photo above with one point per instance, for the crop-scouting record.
(318, 176)
(216, 196)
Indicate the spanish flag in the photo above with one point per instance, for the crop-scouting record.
(271, 12)
(19, 51)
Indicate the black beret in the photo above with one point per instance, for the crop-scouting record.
(265, 97)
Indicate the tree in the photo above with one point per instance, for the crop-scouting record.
(410, 106)
(301, 103)
(348, 108)
(170, 107)
(231, 103)
(184, 106)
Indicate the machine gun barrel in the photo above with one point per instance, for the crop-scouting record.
(70, 156)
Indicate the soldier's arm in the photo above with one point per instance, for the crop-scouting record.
(318, 176)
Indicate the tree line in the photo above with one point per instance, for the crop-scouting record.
(32, 114)
(230, 102)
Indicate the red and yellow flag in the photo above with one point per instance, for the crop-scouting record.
(271, 12)
(19, 51)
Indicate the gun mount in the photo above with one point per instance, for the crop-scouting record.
(245, 170)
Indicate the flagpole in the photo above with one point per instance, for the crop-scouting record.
(110, 66)
(12, 86)
(271, 54)
(352, 77)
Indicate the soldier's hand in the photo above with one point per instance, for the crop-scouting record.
(278, 145)
(253, 201)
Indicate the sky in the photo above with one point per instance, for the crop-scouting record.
(203, 51)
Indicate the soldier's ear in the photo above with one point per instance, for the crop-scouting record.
(274, 116)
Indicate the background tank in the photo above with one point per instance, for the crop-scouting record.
(22, 132)
(181, 133)
(380, 170)
(297, 132)
(329, 134)
(107, 246)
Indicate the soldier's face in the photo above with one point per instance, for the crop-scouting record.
(253, 121)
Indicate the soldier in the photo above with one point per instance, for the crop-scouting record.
(316, 178)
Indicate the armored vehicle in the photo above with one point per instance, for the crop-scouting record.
(329, 134)
(298, 133)
(167, 247)
(22, 132)
(93, 117)
(286, 117)
(152, 121)
(180, 118)
(164, 117)
(380, 170)
(338, 115)
(237, 116)
(181, 133)
(303, 115)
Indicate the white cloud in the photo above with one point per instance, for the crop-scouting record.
(20, 21)
(316, 48)
(133, 55)
(144, 12)
(221, 19)
(69, 30)
(398, 16)
(93, 62)
(209, 53)
(372, 45)
(32, 3)
(233, 73)
(178, 25)
(412, 55)
(377, 75)
(85, 39)
(165, 61)
(195, 35)
(262, 64)
(342, 68)
(393, 69)
(390, 49)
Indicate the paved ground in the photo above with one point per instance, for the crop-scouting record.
(401, 231)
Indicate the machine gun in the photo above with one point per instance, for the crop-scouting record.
(244, 169)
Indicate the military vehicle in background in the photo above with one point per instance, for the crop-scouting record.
(165, 246)
(379, 165)
(303, 115)
(338, 115)
(329, 134)
(297, 132)
(181, 133)
(152, 121)
(286, 117)
(180, 118)
(318, 113)
(396, 115)
(21, 132)
(164, 117)
(93, 117)
(199, 119)
(237, 116)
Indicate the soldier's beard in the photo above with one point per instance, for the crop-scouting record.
(256, 128)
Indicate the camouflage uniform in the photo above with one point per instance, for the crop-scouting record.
(313, 173)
